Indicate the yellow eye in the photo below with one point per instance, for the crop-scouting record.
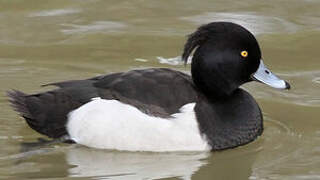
(244, 53)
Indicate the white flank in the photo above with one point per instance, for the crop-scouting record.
(110, 124)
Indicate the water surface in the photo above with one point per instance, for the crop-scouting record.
(44, 41)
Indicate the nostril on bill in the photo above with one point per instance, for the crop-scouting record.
(266, 71)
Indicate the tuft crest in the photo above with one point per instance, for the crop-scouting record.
(202, 34)
(197, 38)
(194, 40)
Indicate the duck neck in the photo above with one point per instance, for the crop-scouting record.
(212, 92)
(213, 89)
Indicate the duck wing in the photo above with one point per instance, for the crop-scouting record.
(157, 91)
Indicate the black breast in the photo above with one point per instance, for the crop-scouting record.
(229, 122)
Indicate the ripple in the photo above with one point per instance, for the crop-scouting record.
(55, 12)
(311, 22)
(11, 61)
(4, 137)
(175, 61)
(281, 127)
(297, 160)
(286, 154)
(141, 60)
(316, 80)
(257, 24)
(27, 154)
(11, 66)
(95, 27)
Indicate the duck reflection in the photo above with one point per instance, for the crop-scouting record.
(79, 161)
(133, 165)
(101, 164)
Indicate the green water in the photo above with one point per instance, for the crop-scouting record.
(44, 41)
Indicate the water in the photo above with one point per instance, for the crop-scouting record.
(44, 41)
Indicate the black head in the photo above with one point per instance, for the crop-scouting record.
(226, 57)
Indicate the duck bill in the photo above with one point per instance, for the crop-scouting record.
(265, 76)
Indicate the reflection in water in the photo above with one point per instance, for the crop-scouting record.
(132, 165)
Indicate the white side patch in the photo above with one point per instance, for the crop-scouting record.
(110, 124)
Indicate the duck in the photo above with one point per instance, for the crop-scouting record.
(161, 109)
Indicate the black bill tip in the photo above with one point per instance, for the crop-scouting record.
(287, 85)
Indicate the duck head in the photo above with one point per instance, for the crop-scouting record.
(226, 56)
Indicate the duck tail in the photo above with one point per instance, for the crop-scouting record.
(17, 101)
(34, 109)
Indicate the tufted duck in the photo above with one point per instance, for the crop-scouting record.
(160, 109)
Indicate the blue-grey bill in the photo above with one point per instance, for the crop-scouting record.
(265, 76)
